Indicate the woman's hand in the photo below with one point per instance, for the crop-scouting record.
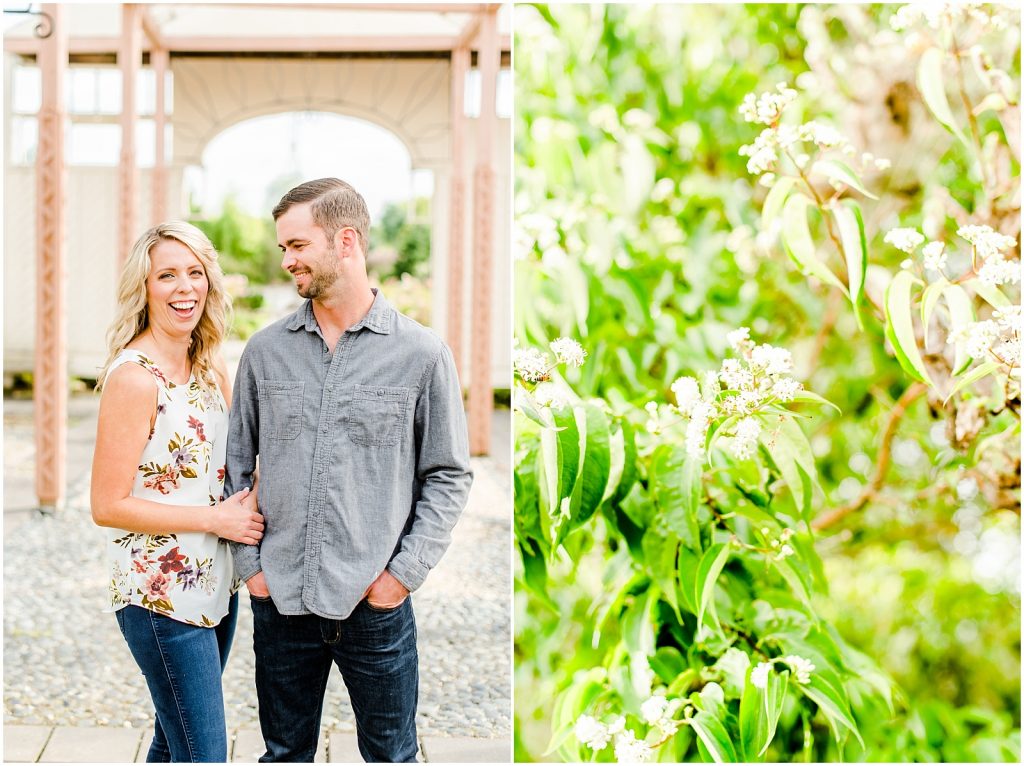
(238, 518)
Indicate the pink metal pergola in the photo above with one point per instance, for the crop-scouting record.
(141, 31)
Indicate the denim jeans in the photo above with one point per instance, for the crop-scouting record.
(182, 664)
(375, 650)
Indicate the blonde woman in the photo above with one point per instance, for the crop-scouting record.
(157, 478)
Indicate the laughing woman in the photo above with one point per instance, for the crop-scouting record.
(157, 478)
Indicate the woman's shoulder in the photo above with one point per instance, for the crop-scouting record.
(142, 364)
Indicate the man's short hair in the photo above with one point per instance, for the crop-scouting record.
(336, 204)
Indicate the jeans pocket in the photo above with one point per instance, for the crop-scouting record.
(375, 415)
(281, 407)
(385, 610)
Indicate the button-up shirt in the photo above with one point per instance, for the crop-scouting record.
(363, 456)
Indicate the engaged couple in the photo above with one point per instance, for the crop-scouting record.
(328, 481)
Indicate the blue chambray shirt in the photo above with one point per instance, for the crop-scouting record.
(363, 456)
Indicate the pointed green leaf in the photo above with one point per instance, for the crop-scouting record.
(711, 564)
(796, 236)
(809, 396)
(547, 465)
(773, 701)
(834, 703)
(929, 299)
(753, 721)
(714, 737)
(774, 201)
(841, 173)
(855, 250)
(991, 294)
(596, 464)
(676, 478)
(961, 314)
(900, 326)
(931, 84)
(977, 373)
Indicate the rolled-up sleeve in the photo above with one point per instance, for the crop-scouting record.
(442, 469)
(242, 451)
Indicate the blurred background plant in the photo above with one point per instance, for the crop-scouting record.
(641, 233)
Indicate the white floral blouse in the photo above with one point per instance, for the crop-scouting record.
(185, 575)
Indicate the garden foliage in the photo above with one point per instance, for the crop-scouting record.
(767, 429)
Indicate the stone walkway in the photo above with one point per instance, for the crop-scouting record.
(73, 693)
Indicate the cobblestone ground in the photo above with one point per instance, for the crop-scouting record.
(65, 663)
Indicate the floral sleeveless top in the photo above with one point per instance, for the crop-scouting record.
(187, 576)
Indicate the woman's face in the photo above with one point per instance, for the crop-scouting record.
(176, 288)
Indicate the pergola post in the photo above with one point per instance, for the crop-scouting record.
(457, 209)
(129, 56)
(481, 397)
(159, 60)
(51, 378)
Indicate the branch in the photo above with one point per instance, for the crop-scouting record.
(914, 392)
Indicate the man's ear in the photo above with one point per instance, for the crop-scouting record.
(346, 240)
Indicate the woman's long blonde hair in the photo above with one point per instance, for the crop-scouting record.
(132, 302)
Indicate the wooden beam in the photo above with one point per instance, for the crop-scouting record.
(151, 29)
(129, 60)
(457, 211)
(50, 392)
(481, 393)
(159, 59)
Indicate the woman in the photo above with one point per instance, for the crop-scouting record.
(157, 478)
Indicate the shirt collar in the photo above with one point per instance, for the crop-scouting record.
(378, 318)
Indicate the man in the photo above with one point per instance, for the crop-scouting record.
(355, 413)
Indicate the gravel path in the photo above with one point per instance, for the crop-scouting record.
(65, 663)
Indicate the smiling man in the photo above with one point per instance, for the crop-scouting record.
(355, 414)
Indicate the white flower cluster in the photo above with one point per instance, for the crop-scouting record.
(990, 246)
(936, 14)
(998, 337)
(660, 711)
(535, 366)
(596, 736)
(758, 377)
(904, 239)
(781, 545)
(768, 107)
(934, 257)
(799, 666)
(764, 152)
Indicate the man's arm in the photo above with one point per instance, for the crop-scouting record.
(242, 449)
(442, 468)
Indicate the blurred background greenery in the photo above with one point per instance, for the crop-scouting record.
(640, 236)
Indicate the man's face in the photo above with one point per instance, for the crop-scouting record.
(308, 256)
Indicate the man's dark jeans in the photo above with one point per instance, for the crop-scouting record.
(375, 651)
(182, 664)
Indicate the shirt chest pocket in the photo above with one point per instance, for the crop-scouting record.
(375, 416)
(281, 408)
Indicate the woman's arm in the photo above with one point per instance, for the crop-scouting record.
(126, 411)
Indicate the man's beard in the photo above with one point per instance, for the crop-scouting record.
(320, 280)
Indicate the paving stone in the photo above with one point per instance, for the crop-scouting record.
(25, 743)
(344, 748)
(92, 744)
(466, 750)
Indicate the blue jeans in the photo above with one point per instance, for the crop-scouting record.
(182, 664)
(375, 650)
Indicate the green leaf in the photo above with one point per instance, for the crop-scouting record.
(774, 201)
(929, 299)
(791, 453)
(524, 402)
(660, 554)
(675, 477)
(710, 567)
(714, 737)
(593, 476)
(773, 701)
(547, 465)
(834, 703)
(991, 294)
(796, 236)
(668, 662)
(855, 250)
(753, 721)
(930, 83)
(841, 173)
(804, 395)
(976, 374)
(961, 314)
(900, 326)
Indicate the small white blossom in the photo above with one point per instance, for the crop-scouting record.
(1008, 351)
(762, 152)
(735, 376)
(967, 488)
(629, 749)
(784, 389)
(745, 439)
(823, 135)
(711, 385)
(617, 726)
(759, 675)
(768, 107)
(934, 258)
(531, 365)
(980, 337)
(774, 360)
(739, 339)
(784, 552)
(687, 393)
(550, 395)
(906, 240)
(697, 428)
(986, 240)
(568, 351)
(1008, 319)
(592, 732)
(660, 711)
(882, 164)
(996, 271)
(801, 668)
(906, 263)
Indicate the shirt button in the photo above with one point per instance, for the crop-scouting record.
(380, 392)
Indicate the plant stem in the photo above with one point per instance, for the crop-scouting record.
(913, 392)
